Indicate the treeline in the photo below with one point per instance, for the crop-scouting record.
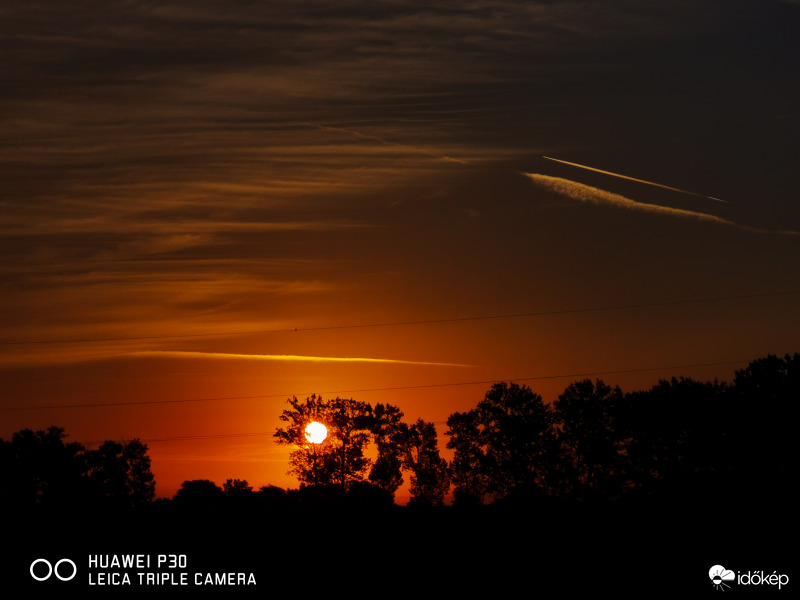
(40, 468)
(681, 440)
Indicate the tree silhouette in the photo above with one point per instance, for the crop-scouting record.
(238, 495)
(590, 451)
(306, 462)
(198, 494)
(141, 483)
(272, 496)
(763, 409)
(350, 423)
(430, 480)
(389, 434)
(40, 468)
(518, 436)
(339, 459)
(237, 487)
(675, 435)
(468, 467)
(120, 474)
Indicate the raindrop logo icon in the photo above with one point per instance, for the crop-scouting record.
(719, 575)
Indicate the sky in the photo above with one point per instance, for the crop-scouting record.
(209, 207)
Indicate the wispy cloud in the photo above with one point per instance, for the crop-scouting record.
(182, 231)
(127, 350)
(286, 358)
(421, 150)
(593, 195)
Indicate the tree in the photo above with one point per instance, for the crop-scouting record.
(198, 493)
(340, 458)
(237, 494)
(587, 438)
(430, 481)
(349, 424)
(306, 461)
(389, 434)
(468, 467)
(40, 468)
(674, 435)
(140, 481)
(272, 496)
(518, 437)
(120, 473)
(762, 412)
(106, 472)
(771, 379)
(237, 487)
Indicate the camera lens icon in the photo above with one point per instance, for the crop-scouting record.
(53, 570)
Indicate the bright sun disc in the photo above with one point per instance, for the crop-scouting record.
(316, 432)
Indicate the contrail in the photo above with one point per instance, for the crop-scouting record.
(666, 187)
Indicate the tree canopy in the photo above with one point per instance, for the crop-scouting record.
(339, 458)
(42, 468)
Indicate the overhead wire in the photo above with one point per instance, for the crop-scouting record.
(391, 388)
(366, 390)
(401, 323)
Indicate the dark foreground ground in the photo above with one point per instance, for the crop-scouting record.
(528, 548)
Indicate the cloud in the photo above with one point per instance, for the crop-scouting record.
(179, 233)
(385, 142)
(285, 358)
(593, 195)
(126, 349)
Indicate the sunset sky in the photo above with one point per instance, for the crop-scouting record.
(209, 207)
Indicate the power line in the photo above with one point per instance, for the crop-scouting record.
(209, 436)
(401, 323)
(182, 438)
(383, 389)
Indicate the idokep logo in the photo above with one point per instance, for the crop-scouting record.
(65, 570)
(722, 578)
(719, 576)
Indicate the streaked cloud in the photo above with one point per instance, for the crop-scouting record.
(592, 195)
(286, 358)
(180, 233)
(421, 150)
(130, 349)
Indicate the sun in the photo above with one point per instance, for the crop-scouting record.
(316, 432)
